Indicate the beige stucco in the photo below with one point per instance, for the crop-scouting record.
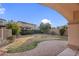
(73, 34)
(65, 9)
(4, 34)
(71, 13)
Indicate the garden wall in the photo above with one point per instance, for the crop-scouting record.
(6, 33)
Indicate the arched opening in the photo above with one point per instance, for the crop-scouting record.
(56, 11)
(61, 12)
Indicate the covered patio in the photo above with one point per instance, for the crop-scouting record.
(71, 13)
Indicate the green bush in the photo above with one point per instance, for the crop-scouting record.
(62, 30)
(25, 32)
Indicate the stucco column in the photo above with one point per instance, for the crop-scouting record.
(73, 31)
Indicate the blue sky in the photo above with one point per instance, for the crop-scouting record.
(32, 13)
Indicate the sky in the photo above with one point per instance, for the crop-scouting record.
(32, 13)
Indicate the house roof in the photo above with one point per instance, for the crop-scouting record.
(26, 23)
(2, 19)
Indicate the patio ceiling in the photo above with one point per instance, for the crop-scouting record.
(65, 9)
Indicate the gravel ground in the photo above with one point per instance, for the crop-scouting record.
(45, 48)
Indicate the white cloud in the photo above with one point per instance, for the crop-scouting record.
(2, 10)
(46, 21)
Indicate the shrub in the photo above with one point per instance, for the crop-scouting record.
(25, 32)
(37, 31)
(62, 30)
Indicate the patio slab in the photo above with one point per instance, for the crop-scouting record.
(68, 52)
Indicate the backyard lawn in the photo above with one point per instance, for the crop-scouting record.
(30, 42)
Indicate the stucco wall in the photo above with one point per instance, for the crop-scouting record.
(6, 33)
(73, 34)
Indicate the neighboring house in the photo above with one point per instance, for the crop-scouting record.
(26, 26)
(4, 33)
(2, 21)
(56, 31)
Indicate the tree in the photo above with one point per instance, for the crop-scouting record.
(14, 27)
(44, 28)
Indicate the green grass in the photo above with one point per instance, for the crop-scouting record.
(23, 47)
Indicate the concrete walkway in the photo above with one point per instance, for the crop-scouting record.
(68, 52)
(46, 48)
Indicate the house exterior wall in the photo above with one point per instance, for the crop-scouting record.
(27, 25)
(73, 36)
